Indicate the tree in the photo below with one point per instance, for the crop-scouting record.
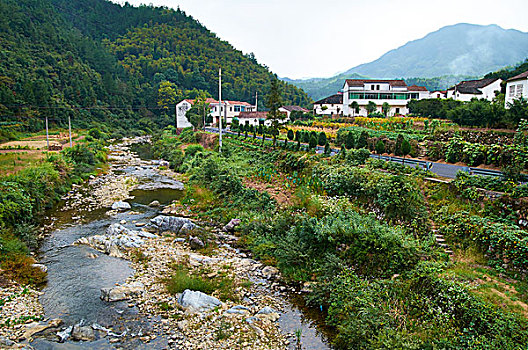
(363, 140)
(196, 115)
(380, 148)
(517, 111)
(405, 149)
(313, 142)
(398, 145)
(273, 103)
(166, 94)
(298, 135)
(321, 139)
(355, 107)
(327, 148)
(350, 141)
(371, 107)
(290, 134)
(385, 108)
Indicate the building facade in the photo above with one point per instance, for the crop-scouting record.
(469, 89)
(230, 109)
(394, 92)
(516, 88)
(331, 105)
(257, 118)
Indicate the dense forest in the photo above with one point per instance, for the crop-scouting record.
(97, 61)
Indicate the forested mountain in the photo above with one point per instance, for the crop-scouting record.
(98, 61)
(440, 59)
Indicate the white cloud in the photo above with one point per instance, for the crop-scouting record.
(311, 38)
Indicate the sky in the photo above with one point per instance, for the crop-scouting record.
(320, 38)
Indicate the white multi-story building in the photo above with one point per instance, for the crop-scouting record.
(395, 92)
(331, 105)
(230, 109)
(516, 88)
(469, 89)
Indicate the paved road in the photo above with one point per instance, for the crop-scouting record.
(440, 169)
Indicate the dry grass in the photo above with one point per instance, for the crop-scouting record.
(14, 161)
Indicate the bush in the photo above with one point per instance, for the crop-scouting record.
(191, 150)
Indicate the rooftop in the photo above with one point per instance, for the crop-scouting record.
(295, 108)
(334, 100)
(361, 82)
(473, 86)
(519, 76)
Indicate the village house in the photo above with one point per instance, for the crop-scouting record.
(230, 109)
(438, 94)
(480, 89)
(394, 92)
(289, 109)
(331, 105)
(516, 88)
(257, 118)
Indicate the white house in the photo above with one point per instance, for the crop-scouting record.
(289, 109)
(230, 109)
(516, 88)
(331, 105)
(438, 94)
(395, 92)
(469, 89)
(256, 118)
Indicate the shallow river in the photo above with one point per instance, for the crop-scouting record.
(77, 273)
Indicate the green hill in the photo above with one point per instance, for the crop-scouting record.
(98, 61)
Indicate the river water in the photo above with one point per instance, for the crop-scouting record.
(76, 274)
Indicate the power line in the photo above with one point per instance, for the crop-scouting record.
(86, 108)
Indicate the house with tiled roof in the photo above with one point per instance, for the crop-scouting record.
(230, 109)
(394, 92)
(480, 89)
(289, 109)
(516, 88)
(438, 94)
(331, 105)
(256, 118)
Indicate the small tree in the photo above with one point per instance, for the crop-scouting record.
(349, 141)
(398, 145)
(297, 135)
(385, 108)
(290, 134)
(327, 148)
(298, 144)
(371, 107)
(405, 149)
(313, 142)
(363, 140)
(355, 107)
(321, 140)
(273, 103)
(380, 148)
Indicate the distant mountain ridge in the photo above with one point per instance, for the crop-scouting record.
(456, 50)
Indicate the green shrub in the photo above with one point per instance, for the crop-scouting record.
(191, 150)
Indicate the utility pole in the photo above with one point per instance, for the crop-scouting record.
(256, 101)
(176, 116)
(69, 128)
(47, 133)
(220, 109)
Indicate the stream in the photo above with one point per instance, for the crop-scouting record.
(76, 273)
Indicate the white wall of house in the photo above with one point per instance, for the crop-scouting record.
(229, 111)
(516, 89)
(488, 93)
(181, 111)
(331, 109)
(437, 94)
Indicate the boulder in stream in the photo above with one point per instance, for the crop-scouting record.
(196, 301)
(123, 292)
(82, 333)
(174, 224)
(121, 205)
(154, 204)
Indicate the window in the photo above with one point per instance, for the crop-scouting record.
(237, 108)
(397, 111)
(400, 96)
(512, 90)
(519, 92)
(415, 96)
(377, 87)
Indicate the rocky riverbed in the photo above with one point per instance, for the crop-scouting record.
(99, 230)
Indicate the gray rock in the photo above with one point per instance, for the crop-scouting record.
(196, 243)
(121, 206)
(266, 311)
(197, 301)
(6, 342)
(230, 227)
(154, 204)
(238, 309)
(42, 267)
(270, 272)
(117, 229)
(123, 292)
(83, 333)
(65, 334)
(170, 223)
